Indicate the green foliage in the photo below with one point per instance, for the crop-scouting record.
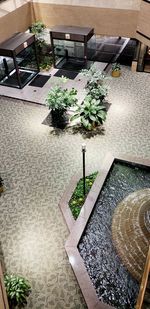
(116, 66)
(94, 76)
(95, 83)
(77, 200)
(37, 28)
(98, 92)
(91, 113)
(43, 49)
(61, 99)
(18, 289)
(46, 63)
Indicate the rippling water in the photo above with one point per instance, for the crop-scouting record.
(113, 283)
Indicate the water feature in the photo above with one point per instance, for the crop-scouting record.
(112, 281)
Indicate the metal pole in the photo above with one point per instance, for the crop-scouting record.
(83, 157)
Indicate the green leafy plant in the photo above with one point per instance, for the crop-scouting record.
(95, 79)
(37, 28)
(91, 113)
(61, 99)
(116, 66)
(46, 63)
(42, 47)
(98, 92)
(77, 200)
(94, 75)
(18, 289)
(95, 83)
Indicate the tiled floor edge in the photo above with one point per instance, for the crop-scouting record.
(23, 101)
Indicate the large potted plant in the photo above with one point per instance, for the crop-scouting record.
(59, 100)
(17, 289)
(116, 69)
(91, 113)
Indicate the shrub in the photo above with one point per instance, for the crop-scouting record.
(18, 289)
(94, 75)
(77, 200)
(91, 113)
(61, 99)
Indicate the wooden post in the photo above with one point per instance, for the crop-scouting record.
(144, 282)
(3, 296)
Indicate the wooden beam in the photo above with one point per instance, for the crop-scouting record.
(144, 282)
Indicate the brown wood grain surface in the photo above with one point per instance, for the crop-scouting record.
(143, 282)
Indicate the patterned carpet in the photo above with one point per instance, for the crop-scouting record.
(36, 166)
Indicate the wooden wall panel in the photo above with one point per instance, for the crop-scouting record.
(144, 21)
(143, 39)
(16, 21)
(115, 22)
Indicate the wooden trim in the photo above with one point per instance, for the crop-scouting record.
(145, 36)
(3, 296)
(143, 282)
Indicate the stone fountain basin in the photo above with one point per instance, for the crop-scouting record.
(79, 227)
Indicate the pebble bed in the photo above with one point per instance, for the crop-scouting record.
(113, 283)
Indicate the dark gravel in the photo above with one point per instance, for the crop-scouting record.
(113, 283)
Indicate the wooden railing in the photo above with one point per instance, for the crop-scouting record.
(3, 296)
(144, 282)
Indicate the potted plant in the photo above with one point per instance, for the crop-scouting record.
(17, 289)
(42, 47)
(97, 92)
(95, 83)
(116, 70)
(91, 113)
(1, 185)
(37, 28)
(59, 100)
(94, 76)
